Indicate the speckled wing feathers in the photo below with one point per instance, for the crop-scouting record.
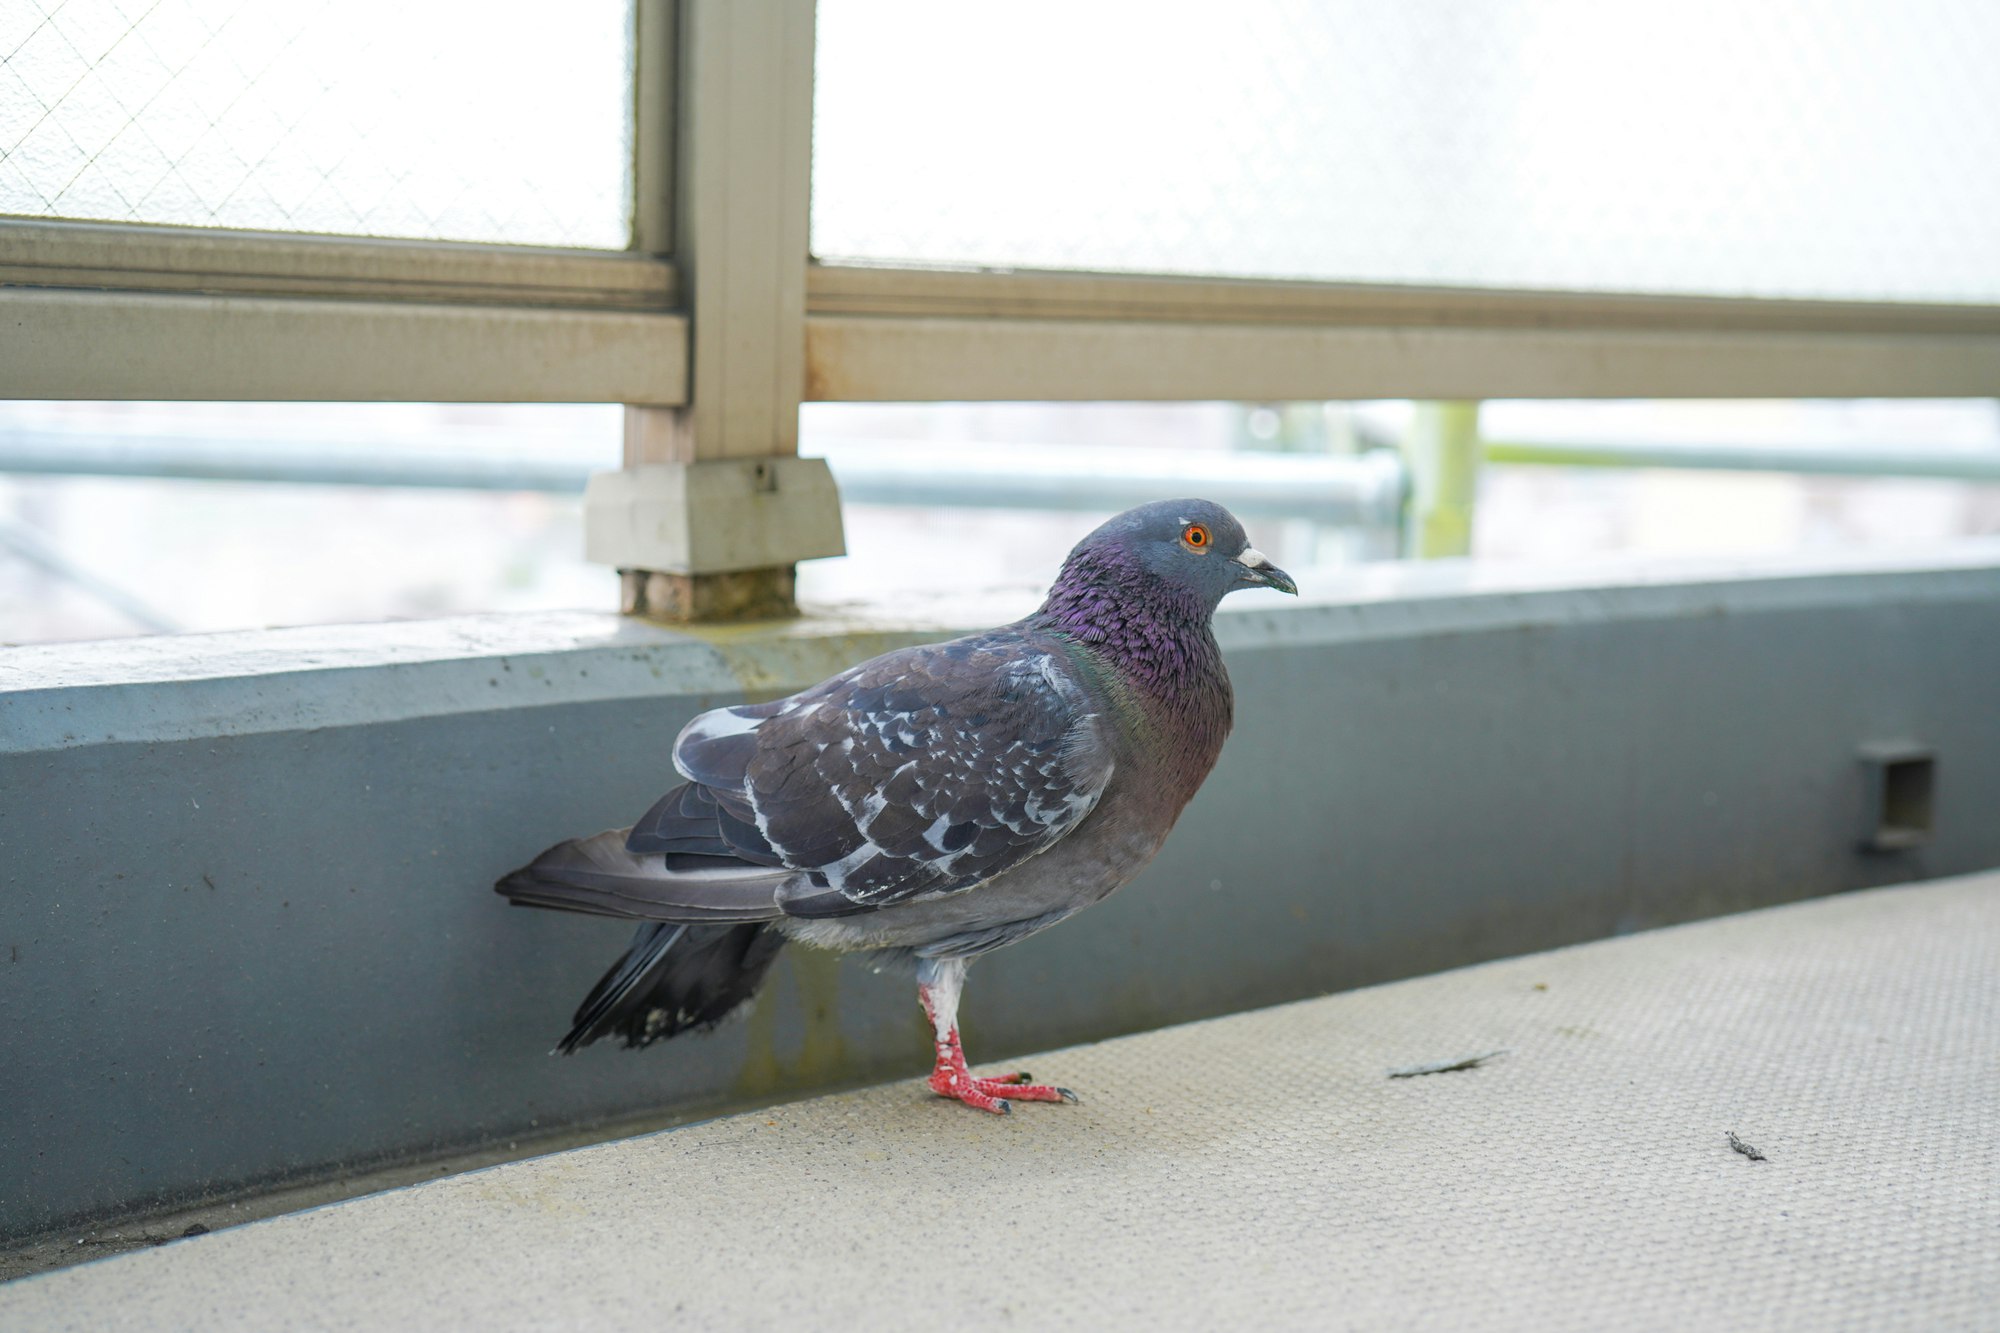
(922, 772)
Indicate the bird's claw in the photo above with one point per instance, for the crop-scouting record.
(997, 1094)
(979, 1094)
(1027, 1092)
(954, 1079)
(1020, 1077)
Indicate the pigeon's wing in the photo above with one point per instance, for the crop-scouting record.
(925, 771)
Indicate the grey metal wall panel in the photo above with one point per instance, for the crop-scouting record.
(246, 929)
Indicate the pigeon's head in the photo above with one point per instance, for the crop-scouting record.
(1194, 545)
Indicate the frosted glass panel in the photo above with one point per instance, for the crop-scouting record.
(1810, 148)
(502, 120)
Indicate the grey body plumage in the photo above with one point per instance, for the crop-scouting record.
(934, 803)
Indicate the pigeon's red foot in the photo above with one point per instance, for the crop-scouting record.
(953, 1079)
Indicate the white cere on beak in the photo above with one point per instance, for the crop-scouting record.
(1254, 558)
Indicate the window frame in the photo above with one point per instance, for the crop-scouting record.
(910, 334)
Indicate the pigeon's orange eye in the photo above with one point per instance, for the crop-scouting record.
(1196, 537)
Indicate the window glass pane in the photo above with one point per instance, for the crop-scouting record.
(1808, 148)
(501, 120)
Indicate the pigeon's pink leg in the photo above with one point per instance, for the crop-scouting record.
(951, 1078)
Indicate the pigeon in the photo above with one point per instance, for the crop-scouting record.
(928, 806)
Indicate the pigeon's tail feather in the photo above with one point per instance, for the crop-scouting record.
(675, 978)
(700, 953)
(598, 875)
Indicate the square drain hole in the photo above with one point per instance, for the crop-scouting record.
(1899, 782)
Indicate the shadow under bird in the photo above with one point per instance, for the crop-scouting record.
(930, 805)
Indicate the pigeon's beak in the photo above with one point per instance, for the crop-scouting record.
(1259, 572)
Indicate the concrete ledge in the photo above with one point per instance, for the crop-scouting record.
(247, 937)
(1266, 1167)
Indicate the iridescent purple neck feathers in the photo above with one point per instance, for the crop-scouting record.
(1153, 632)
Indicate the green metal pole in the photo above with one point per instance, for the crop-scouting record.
(1443, 454)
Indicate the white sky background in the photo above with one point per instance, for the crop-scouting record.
(1828, 148)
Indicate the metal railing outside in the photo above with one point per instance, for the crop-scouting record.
(1416, 494)
(1882, 460)
(1366, 490)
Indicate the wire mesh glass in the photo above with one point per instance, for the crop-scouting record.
(1784, 148)
(501, 120)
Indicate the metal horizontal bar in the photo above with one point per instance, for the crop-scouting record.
(846, 289)
(855, 358)
(1366, 490)
(184, 259)
(77, 344)
(1879, 461)
(316, 462)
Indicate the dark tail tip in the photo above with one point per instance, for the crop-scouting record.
(674, 978)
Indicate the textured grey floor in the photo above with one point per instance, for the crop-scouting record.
(1264, 1166)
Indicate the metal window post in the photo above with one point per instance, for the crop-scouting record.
(713, 506)
(1443, 454)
